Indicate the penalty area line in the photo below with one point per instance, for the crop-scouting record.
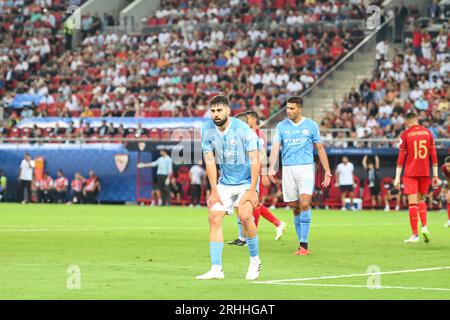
(283, 281)
(354, 286)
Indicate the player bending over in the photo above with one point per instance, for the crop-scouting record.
(446, 172)
(297, 136)
(416, 147)
(251, 118)
(235, 146)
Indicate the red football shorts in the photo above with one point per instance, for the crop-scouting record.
(413, 185)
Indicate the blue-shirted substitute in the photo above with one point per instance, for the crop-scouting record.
(297, 141)
(231, 149)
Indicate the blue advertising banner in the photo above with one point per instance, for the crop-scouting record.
(22, 100)
(147, 123)
(113, 164)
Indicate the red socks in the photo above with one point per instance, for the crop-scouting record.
(413, 218)
(448, 211)
(423, 213)
(256, 215)
(269, 216)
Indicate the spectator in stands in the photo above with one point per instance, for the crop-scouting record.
(27, 112)
(103, 130)
(70, 130)
(87, 113)
(196, 176)
(394, 194)
(373, 179)
(176, 191)
(77, 188)
(46, 188)
(345, 181)
(26, 173)
(92, 188)
(61, 187)
(3, 184)
(434, 10)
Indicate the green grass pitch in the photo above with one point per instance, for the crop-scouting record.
(132, 252)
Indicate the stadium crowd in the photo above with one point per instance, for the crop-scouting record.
(181, 13)
(416, 78)
(173, 73)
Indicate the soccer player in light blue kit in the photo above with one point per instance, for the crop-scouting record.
(296, 136)
(235, 146)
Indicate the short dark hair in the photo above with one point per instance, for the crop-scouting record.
(296, 100)
(220, 99)
(253, 114)
(411, 115)
(242, 116)
(447, 159)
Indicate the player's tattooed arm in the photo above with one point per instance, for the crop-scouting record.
(255, 173)
(211, 172)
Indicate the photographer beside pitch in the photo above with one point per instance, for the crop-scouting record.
(235, 146)
(297, 136)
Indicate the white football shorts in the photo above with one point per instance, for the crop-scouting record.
(297, 180)
(230, 196)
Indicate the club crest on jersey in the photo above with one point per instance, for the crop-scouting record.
(121, 161)
(305, 132)
(233, 142)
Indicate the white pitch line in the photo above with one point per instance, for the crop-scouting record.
(356, 286)
(354, 275)
(94, 229)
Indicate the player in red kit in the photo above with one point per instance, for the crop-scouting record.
(446, 172)
(416, 148)
(252, 119)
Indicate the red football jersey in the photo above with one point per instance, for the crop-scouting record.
(418, 144)
(445, 172)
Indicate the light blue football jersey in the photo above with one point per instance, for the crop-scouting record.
(297, 141)
(231, 149)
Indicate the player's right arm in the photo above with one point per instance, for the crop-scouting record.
(400, 161)
(434, 161)
(211, 172)
(210, 164)
(274, 154)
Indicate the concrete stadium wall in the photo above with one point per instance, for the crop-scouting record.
(100, 7)
(138, 10)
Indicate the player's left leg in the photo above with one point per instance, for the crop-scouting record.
(411, 190)
(245, 212)
(215, 246)
(305, 223)
(424, 186)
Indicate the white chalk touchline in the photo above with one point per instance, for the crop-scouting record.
(95, 229)
(357, 286)
(352, 275)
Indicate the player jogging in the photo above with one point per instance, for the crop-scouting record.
(252, 119)
(416, 147)
(297, 136)
(446, 172)
(235, 146)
